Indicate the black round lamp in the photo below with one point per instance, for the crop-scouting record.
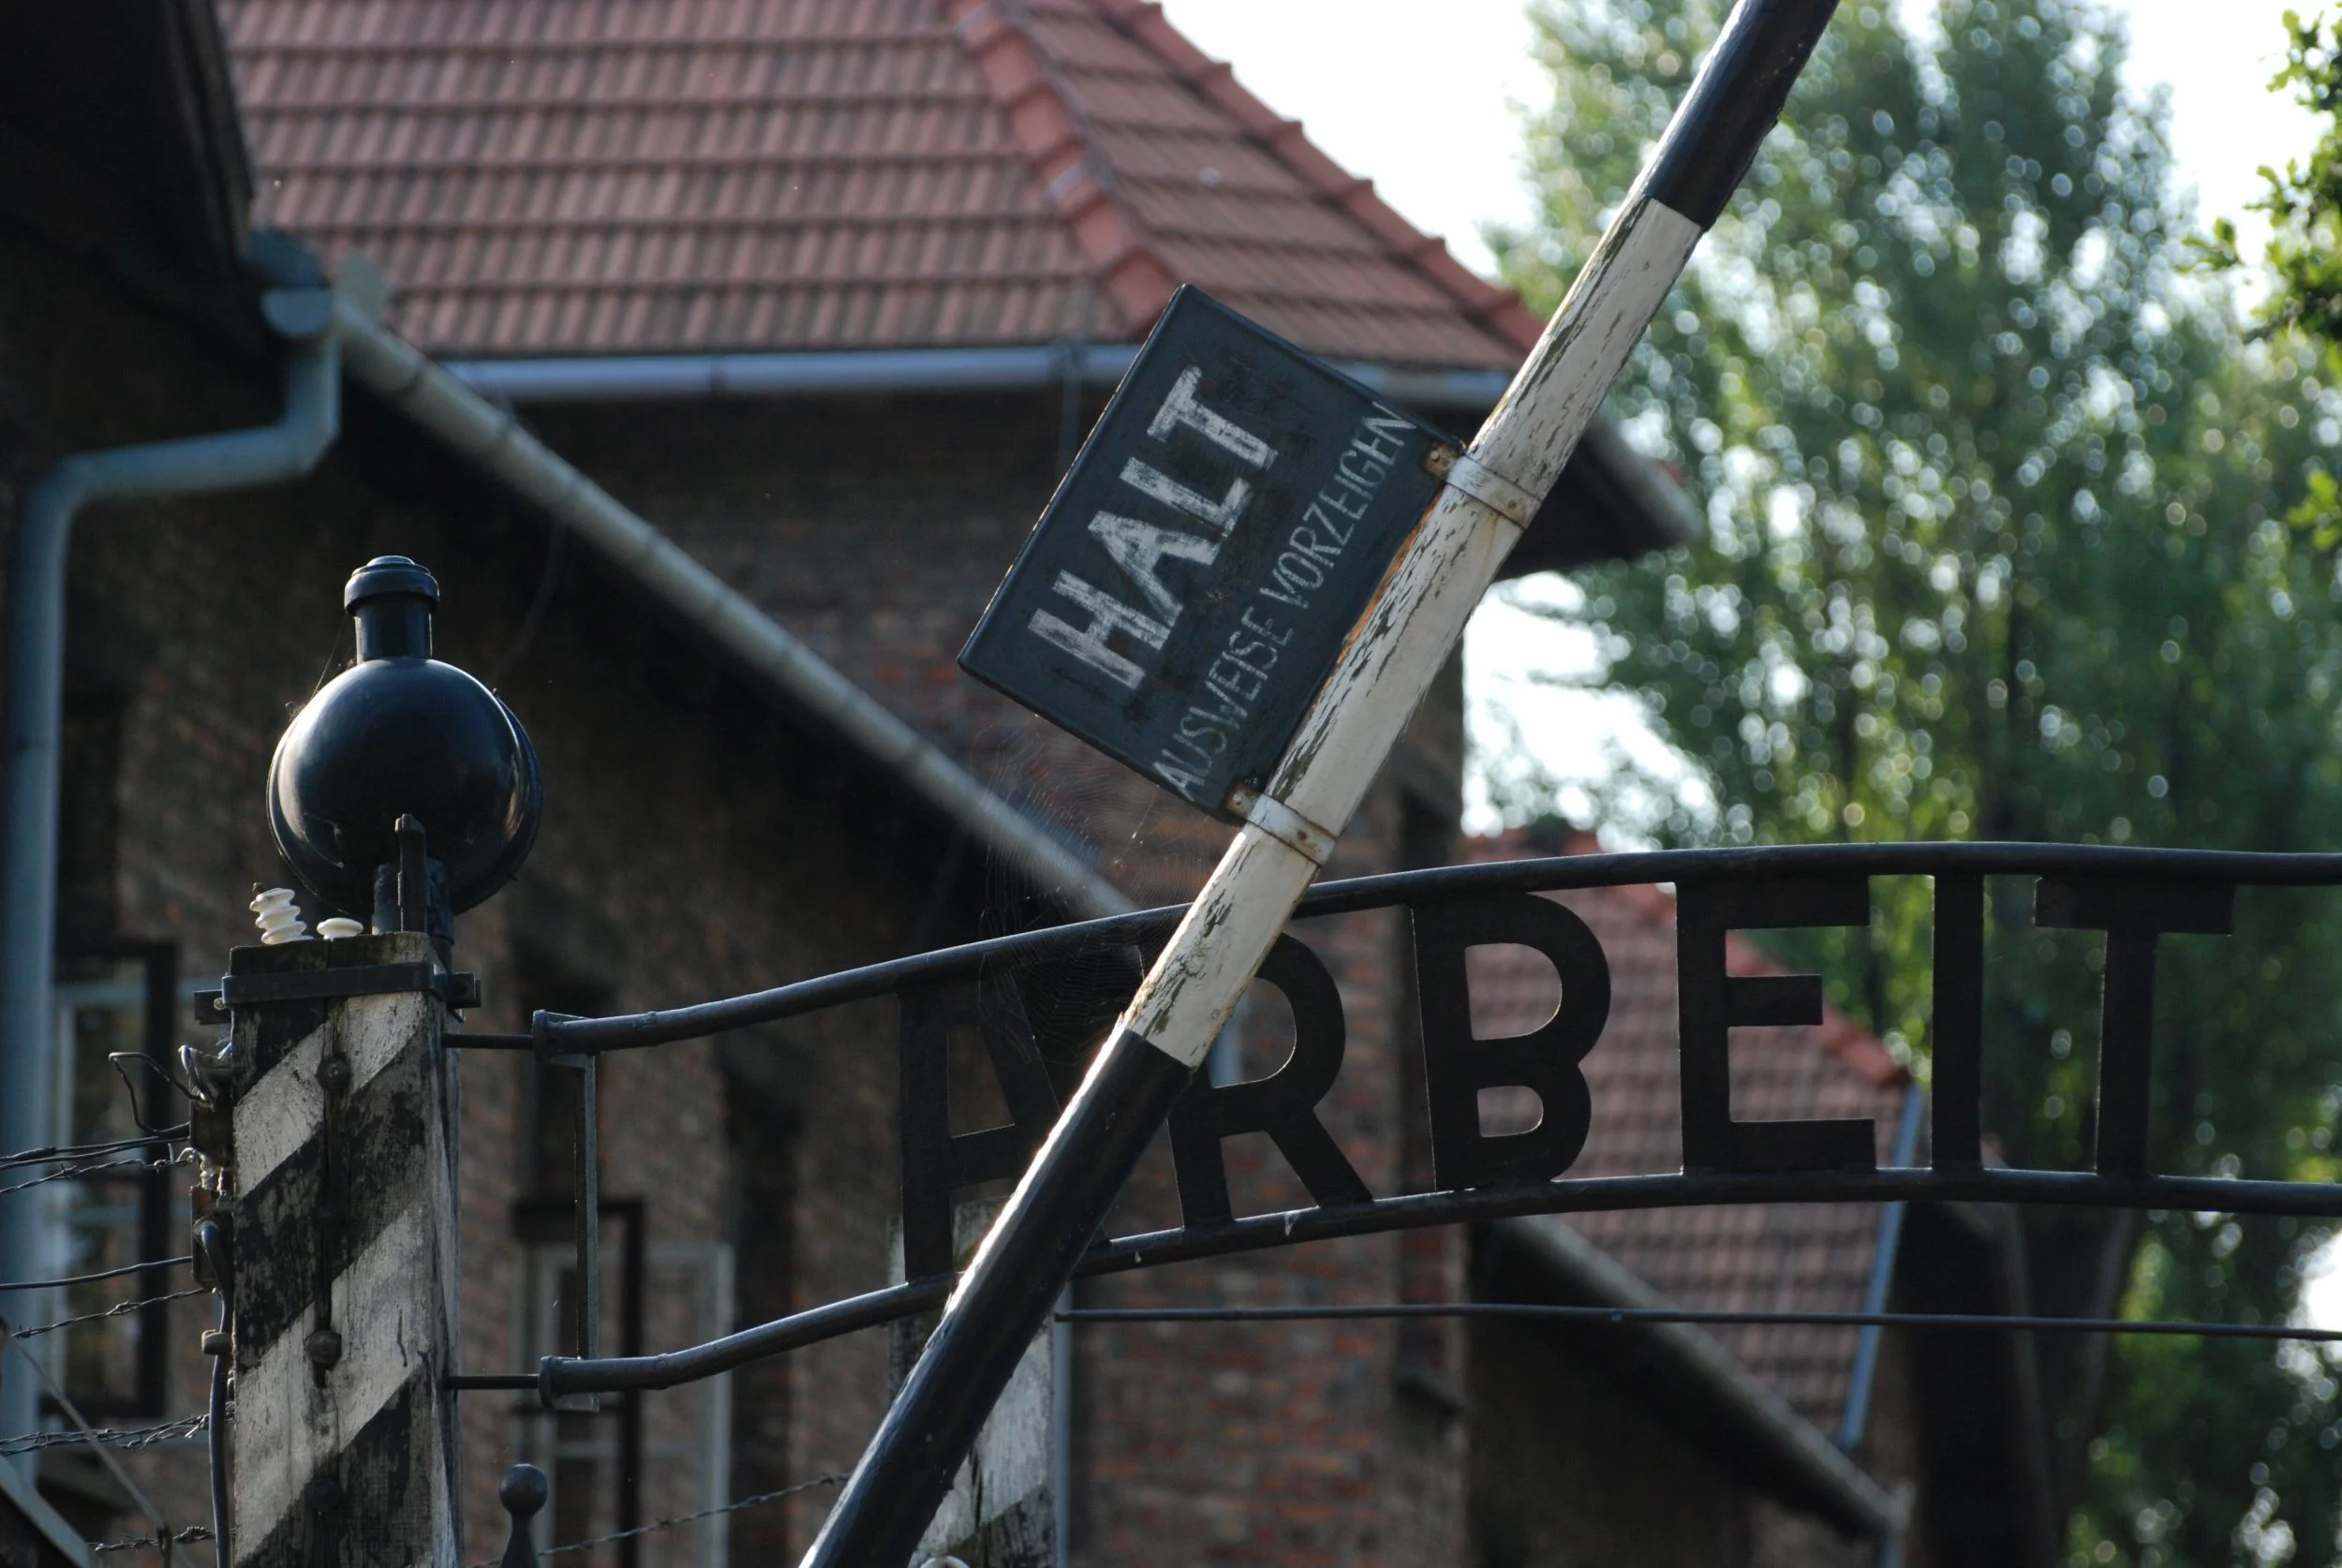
(400, 734)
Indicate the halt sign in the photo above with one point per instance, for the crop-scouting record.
(1195, 577)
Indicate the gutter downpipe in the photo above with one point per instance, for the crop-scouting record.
(231, 460)
(1857, 1399)
(489, 437)
(813, 372)
(657, 377)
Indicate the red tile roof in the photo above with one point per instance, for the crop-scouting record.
(1764, 1257)
(547, 177)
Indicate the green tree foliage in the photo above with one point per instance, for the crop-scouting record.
(1996, 503)
(2304, 208)
(2305, 202)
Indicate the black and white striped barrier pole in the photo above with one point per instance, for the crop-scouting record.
(337, 1194)
(1491, 494)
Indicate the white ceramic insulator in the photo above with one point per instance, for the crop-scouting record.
(278, 917)
(334, 927)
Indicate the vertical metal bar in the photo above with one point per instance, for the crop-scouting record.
(632, 1287)
(414, 897)
(1958, 1046)
(2126, 1039)
(588, 1190)
(586, 1199)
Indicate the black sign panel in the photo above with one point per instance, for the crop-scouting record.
(1191, 584)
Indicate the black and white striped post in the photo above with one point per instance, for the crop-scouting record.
(1491, 494)
(339, 1193)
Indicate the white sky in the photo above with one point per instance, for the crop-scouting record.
(1431, 114)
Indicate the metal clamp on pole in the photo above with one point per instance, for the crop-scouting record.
(1282, 822)
(359, 980)
(1462, 471)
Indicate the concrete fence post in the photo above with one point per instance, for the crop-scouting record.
(339, 1197)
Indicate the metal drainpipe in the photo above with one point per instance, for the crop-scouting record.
(36, 701)
(1857, 1400)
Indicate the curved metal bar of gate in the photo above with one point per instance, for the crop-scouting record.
(1558, 874)
(566, 1375)
(2132, 894)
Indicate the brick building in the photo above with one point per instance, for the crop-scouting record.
(827, 290)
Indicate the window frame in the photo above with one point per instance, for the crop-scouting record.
(150, 1392)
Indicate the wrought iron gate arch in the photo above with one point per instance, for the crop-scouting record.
(2134, 894)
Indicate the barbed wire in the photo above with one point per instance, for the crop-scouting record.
(110, 1437)
(184, 1156)
(56, 1152)
(148, 1543)
(101, 1274)
(657, 1525)
(120, 1309)
(87, 1435)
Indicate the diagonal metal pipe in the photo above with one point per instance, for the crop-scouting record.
(231, 460)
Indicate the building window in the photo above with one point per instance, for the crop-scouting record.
(593, 1459)
(112, 1001)
(639, 1457)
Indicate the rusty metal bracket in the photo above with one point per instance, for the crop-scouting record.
(1282, 822)
(209, 1125)
(457, 991)
(1462, 471)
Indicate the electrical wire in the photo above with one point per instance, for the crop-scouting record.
(71, 1172)
(55, 1153)
(148, 1543)
(1690, 1315)
(120, 1309)
(110, 1437)
(101, 1274)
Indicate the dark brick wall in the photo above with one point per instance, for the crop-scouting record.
(1570, 1472)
